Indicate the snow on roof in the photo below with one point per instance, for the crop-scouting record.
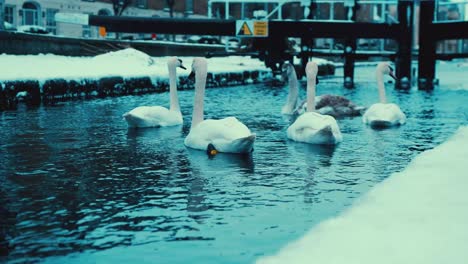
(416, 216)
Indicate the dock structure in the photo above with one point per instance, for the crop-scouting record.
(269, 40)
(430, 33)
(272, 48)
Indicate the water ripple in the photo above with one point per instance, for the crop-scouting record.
(78, 186)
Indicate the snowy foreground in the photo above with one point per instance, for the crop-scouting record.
(419, 215)
(125, 63)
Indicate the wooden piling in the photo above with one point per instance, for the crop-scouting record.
(403, 60)
(427, 46)
(348, 67)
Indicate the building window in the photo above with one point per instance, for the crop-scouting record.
(86, 30)
(30, 14)
(50, 20)
(142, 3)
(10, 14)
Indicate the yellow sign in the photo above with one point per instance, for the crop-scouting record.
(244, 30)
(261, 28)
(251, 28)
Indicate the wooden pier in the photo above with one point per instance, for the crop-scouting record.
(273, 49)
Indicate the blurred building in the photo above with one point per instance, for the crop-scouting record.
(41, 13)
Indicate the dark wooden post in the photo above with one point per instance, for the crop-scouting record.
(350, 47)
(3, 99)
(275, 51)
(427, 47)
(403, 60)
(348, 68)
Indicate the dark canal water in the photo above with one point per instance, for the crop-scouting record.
(77, 187)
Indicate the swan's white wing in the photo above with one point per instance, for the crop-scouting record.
(302, 106)
(152, 116)
(384, 115)
(226, 135)
(315, 128)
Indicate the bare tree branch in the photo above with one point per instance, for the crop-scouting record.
(120, 5)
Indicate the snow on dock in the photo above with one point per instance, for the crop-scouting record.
(415, 216)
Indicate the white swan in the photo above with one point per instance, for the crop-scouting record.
(224, 135)
(383, 114)
(312, 127)
(158, 116)
(328, 104)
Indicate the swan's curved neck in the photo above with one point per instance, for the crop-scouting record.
(293, 93)
(200, 83)
(174, 99)
(381, 87)
(311, 93)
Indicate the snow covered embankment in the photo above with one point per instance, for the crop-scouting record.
(418, 215)
(49, 78)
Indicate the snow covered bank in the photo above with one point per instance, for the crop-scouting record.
(418, 215)
(49, 78)
(125, 63)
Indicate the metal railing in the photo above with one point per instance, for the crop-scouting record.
(452, 11)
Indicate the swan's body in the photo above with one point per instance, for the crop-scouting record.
(334, 105)
(159, 116)
(224, 135)
(329, 104)
(315, 128)
(152, 116)
(383, 114)
(312, 127)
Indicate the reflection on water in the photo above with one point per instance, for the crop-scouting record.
(77, 186)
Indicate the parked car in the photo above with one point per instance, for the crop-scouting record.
(232, 44)
(204, 40)
(33, 29)
(8, 26)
